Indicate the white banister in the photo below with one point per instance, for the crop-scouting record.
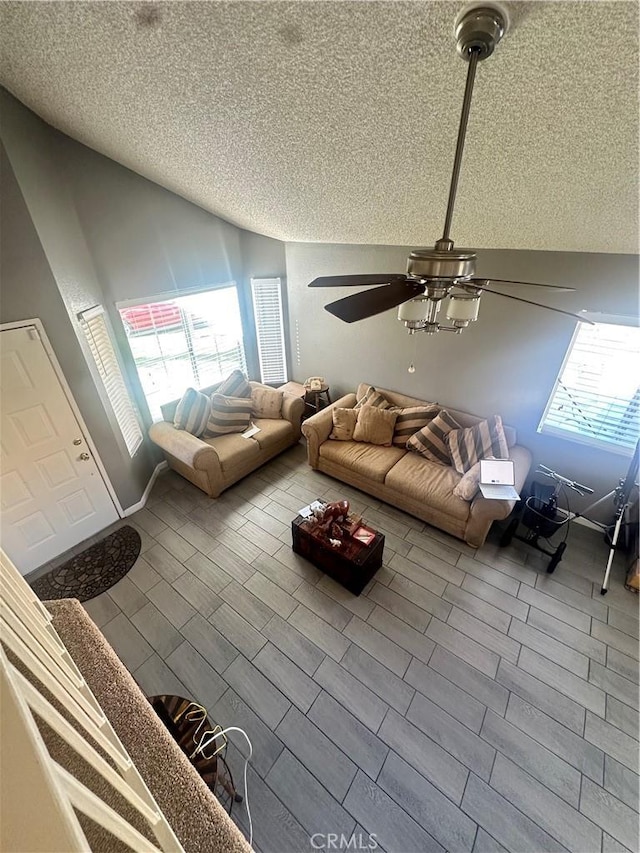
(28, 635)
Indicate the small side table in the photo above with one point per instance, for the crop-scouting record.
(314, 400)
(318, 399)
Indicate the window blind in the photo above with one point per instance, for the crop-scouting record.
(596, 398)
(267, 310)
(192, 340)
(96, 331)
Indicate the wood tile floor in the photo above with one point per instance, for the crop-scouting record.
(467, 701)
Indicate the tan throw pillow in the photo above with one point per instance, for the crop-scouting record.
(344, 423)
(192, 412)
(430, 441)
(468, 446)
(235, 385)
(410, 420)
(469, 484)
(266, 402)
(228, 414)
(373, 398)
(375, 426)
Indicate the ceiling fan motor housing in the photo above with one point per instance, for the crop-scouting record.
(479, 28)
(438, 264)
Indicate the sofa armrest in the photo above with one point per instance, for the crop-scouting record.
(189, 449)
(316, 429)
(484, 512)
(293, 410)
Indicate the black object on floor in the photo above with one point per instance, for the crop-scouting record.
(94, 570)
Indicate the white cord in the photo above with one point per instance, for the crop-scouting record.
(215, 735)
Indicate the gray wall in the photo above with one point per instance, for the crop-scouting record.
(505, 363)
(34, 152)
(29, 290)
(105, 234)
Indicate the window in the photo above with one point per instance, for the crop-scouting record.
(267, 311)
(193, 340)
(94, 325)
(596, 398)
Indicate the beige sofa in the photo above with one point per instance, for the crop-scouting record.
(214, 464)
(407, 480)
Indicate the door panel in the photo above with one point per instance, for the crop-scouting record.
(52, 493)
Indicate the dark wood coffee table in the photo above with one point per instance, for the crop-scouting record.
(353, 564)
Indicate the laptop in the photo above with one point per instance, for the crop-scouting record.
(497, 478)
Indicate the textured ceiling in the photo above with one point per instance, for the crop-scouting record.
(336, 121)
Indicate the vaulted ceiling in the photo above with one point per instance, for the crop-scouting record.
(336, 121)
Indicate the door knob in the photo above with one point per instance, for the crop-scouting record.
(77, 441)
(84, 457)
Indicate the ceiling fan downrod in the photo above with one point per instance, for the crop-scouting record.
(478, 30)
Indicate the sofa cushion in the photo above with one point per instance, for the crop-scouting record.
(468, 446)
(228, 414)
(430, 441)
(375, 426)
(369, 460)
(233, 450)
(272, 431)
(410, 420)
(469, 484)
(373, 398)
(235, 385)
(344, 423)
(429, 482)
(266, 402)
(192, 412)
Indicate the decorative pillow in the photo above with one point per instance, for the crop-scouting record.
(468, 446)
(430, 441)
(469, 484)
(375, 425)
(344, 423)
(266, 402)
(228, 414)
(192, 412)
(410, 420)
(373, 398)
(235, 385)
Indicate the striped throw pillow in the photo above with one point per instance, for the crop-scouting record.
(373, 398)
(468, 446)
(410, 420)
(228, 414)
(192, 412)
(431, 441)
(235, 385)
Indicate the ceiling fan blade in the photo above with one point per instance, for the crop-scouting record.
(483, 282)
(356, 280)
(538, 305)
(371, 302)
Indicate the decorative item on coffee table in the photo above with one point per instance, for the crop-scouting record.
(340, 544)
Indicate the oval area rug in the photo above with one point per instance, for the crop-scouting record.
(94, 570)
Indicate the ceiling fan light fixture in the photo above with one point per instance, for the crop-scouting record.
(463, 309)
(418, 313)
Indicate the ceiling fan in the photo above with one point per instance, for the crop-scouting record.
(443, 271)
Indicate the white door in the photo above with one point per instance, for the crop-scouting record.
(52, 495)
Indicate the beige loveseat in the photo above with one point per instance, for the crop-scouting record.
(214, 464)
(406, 479)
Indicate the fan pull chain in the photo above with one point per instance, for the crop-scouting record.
(412, 367)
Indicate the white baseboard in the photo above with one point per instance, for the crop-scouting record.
(160, 467)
